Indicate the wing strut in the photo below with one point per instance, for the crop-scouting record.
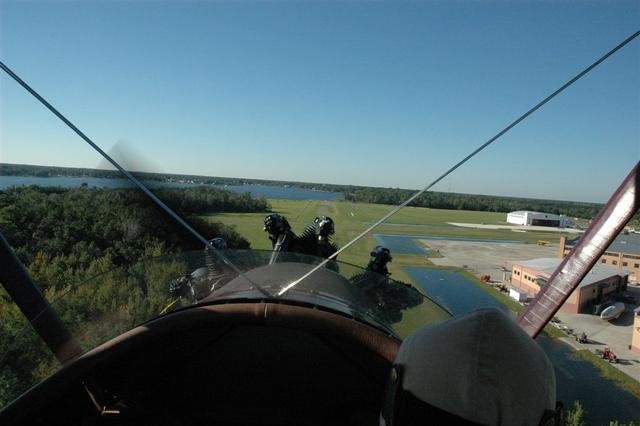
(23, 291)
(605, 227)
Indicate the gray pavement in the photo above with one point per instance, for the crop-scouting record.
(615, 334)
(517, 227)
(483, 258)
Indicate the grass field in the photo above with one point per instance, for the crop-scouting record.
(352, 218)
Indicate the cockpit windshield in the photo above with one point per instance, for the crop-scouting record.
(116, 301)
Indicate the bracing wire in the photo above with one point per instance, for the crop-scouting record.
(132, 178)
(464, 160)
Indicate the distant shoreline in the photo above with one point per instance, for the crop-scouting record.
(98, 183)
(374, 195)
(11, 169)
(8, 169)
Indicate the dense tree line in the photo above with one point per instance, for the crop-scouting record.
(205, 199)
(87, 244)
(7, 169)
(121, 223)
(490, 203)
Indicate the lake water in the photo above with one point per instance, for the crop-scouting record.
(576, 379)
(267, 191)
(401, 244)
(452, 289)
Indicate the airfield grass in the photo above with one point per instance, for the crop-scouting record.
(609, 372)
(353, 218)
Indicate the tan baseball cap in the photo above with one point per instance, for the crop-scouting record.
(480, 368)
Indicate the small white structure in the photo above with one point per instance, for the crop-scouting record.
(529, 218)
(518, 295)
(519, 217)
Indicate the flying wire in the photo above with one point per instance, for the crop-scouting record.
(132, 178)
(464, 160)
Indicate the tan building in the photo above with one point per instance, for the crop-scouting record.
(623, 253)
(635, 338)
(599, 284)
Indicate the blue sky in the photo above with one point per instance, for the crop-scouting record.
(367, 93)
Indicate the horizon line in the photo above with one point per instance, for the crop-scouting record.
(287, 182)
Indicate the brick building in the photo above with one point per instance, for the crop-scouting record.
(635, 337)
(623, 253)
(601, 283)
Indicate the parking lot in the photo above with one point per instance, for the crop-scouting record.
(486, 258)
(615, 334)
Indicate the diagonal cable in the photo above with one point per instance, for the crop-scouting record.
(132, 178)
(465, 159)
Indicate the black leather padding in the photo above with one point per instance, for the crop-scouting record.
(236, 363)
